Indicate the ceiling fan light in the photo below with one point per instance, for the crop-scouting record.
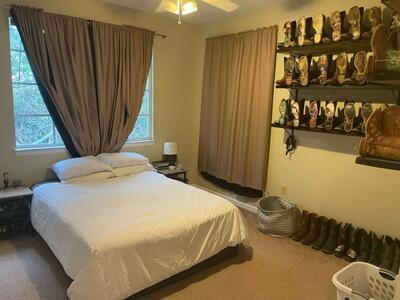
(169, 5)
(189, 7)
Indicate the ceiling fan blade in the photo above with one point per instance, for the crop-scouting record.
(225, 5)
(167, 5)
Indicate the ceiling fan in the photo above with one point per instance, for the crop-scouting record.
(185, 7)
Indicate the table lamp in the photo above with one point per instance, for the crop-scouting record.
(170, 153)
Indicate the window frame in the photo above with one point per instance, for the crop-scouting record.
(60, 146)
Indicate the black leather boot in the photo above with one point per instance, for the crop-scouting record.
(323, 234)
(304, 227)
(313, 233)
(331, 243)
(388, 254)
(396, 261)
(364, 250)
(345, 233)
(352, 252)
(376, 246)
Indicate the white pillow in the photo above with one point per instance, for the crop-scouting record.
(79, 167)
(126, 171)
(89, 178)
(123, 159)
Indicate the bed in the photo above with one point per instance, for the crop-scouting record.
(119, 236)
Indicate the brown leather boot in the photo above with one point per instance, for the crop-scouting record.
(376, 249)
(352, 252)
(365, 246)
(344, 236)
(388, 254)
(396, 261)
(304, 227)
(323, 234)
(331, 243)
(313, 233)
(282, 81)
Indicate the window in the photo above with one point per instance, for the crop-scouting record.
(34, 127)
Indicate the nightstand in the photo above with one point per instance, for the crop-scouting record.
(177, 174)
(15, 210)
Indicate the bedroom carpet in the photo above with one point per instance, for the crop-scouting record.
(271, 268)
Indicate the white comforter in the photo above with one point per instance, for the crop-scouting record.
(116, 237)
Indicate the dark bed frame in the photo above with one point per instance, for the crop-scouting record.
(225, 254)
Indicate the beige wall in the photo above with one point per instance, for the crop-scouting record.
(173, 83)
(322, 175)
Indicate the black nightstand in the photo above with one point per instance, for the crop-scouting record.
(15, 206)
(177, 174)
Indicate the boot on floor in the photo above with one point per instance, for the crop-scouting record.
(331, 243)
(352, 252)
(388, 254)
(323, 234)
(396, 261)
(376, 249)
(344, 236)
(313, 233)
(305, 226)
(364, 250)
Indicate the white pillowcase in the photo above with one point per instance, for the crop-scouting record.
(79, 167)
(123, 159)
(89, 178)
(126, 171)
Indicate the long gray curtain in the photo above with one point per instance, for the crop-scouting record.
(123, 57)
(237, 106)
(91, 76)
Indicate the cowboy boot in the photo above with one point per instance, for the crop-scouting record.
(297, 110)
(313, 233)
(290, 33)
(318, 23)
(355, 17)
(344, 239)
(350, 72)
(301, 31)
(323, 66)
(331, 243)
(282, 81)
(388, 254)
(313, 110)
(323, 234)
(304, 227)
(376, 249)
(361, 64)
(290, 68)
(349, 115)
(366, 111)
(337, 21)
(353, 251)
(330, 114)
(365, 246)
(340, 72)
(396, 260)
(303, 69)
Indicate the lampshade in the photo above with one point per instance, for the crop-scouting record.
(173, 6)
(170, 148)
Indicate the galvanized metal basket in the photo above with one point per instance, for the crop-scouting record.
(277, 217)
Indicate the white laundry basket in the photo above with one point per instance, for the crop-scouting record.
(365, 281)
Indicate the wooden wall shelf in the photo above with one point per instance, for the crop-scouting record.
(348, 46)
(378, 163)
(319, 130)
(369, 86)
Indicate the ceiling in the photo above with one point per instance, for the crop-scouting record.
(206, 13)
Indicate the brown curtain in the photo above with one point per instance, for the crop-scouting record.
(59, 52)
(237, 106)
(122, 57)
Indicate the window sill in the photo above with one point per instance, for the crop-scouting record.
(39, 151)
(134, 144)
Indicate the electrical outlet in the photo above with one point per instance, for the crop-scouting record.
(284, 190)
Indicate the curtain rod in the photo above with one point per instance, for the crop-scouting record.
(163, 36)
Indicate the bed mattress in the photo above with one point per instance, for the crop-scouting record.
(118, 236)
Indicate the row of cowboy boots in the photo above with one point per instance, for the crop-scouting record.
(357, 23)
(327, 70)
(345, 241)
(310, 113)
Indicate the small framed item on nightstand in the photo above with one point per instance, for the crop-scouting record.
(15, 210)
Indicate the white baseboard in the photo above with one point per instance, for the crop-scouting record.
(238, 203)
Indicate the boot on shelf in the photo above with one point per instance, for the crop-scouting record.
(303, 70)
(323, 234)
(314, 111)
(315, 227)
(327, 36)
(318, 23)
(349, 115)
(337, 20)
(344, 236)
(282, 81)
(388, 253)
(304, 31)
(297, 110)
(353, 251)
(330, 111)
(366, 111)
(304, 227)
(355, 17)
(376, 249)
(340, 72)
(323, 65)
(332, 241)
(396, 260)
(365, 246)
(290, 71)
(290, 33)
